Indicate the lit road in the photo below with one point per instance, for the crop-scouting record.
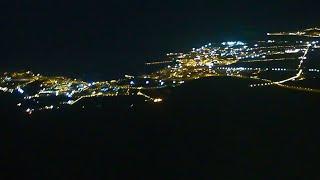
(271, 62)
(299, 68)
(298, 75)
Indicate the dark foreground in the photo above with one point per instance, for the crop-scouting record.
(212, 128)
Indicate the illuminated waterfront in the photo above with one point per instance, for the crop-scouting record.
(279, 63)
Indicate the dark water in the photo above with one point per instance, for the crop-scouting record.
(109, 38)
(212, 127)
(107, 55)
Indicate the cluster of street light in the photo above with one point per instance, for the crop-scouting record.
(250, 60)
(311, 32)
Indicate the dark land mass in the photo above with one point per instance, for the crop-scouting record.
(212, 127)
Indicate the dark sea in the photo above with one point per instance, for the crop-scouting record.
(116, 53)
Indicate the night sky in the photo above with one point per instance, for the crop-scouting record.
(112, 37)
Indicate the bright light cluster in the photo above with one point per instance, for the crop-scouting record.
(278, 63)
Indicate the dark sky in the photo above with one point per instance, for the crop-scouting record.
(105, 36)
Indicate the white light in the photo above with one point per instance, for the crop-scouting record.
(5, 89)
(70, 102)
(21, 91)
(231, 43)
(157, 100)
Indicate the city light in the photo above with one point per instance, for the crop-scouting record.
(276, 63)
